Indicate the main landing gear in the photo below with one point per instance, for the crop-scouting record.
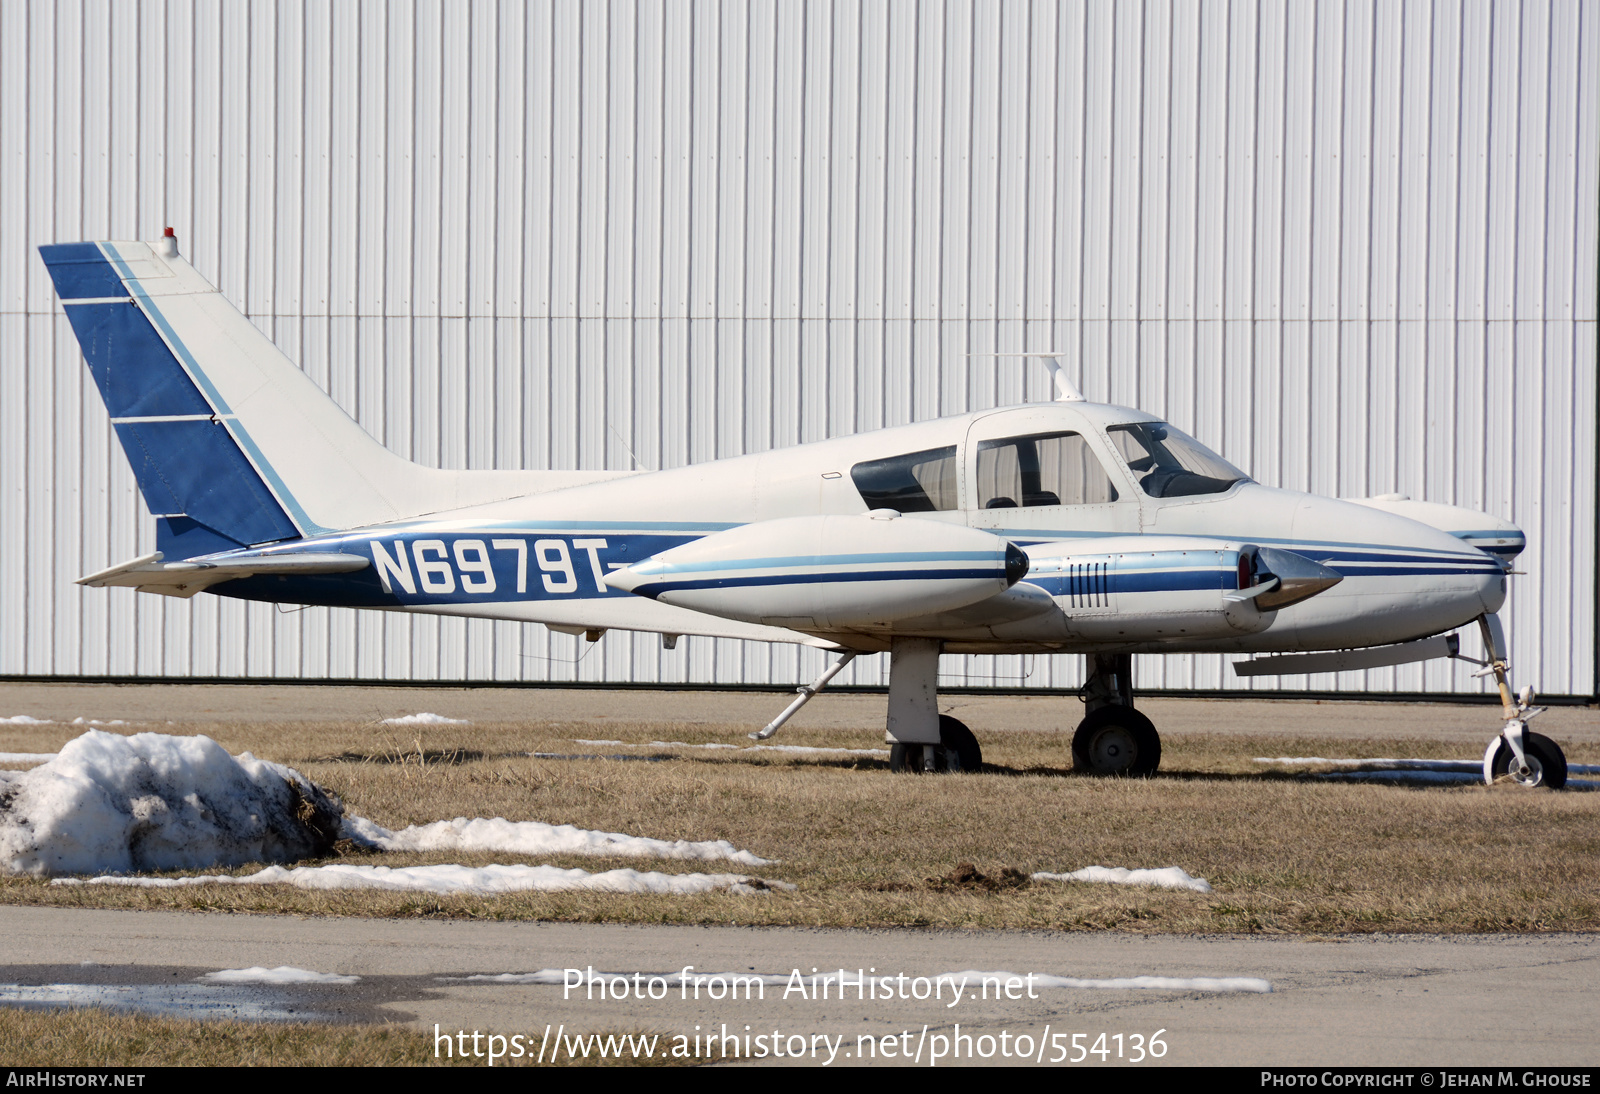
(920, 738)
(1114, 739)
(1529, 759)
(957, 750)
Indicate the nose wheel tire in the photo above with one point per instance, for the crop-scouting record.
(957, 750)
(1547, 764)
(1116, 740)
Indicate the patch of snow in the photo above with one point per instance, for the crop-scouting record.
(594, 756)
(673, 979)
(82, 721)
(26, 757)
(807, 748)
(153, 802)
(24, 720)
(283, 974)
(451, 879)
(1378, 764)
(686, 744)
(1121, 983)
(749, 748)
(1171, 877)
(970, 977)
(535, 838)
(425, 719)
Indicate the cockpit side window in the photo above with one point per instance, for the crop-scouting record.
(1171, 464)
(1042, 469)
(918, 482)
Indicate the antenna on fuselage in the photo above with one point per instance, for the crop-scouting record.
(1066, 390)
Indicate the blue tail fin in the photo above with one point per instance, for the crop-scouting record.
(231, 443)
(205, 493)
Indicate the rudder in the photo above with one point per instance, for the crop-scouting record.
(205, 494)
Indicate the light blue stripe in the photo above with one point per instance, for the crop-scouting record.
(231, 423)
(1302, 546)
(653, 567)
(1298, 545)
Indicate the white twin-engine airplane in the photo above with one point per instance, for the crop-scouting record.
(1066, 526)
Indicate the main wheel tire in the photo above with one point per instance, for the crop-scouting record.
(1547, 764)
(958, 750)
(956, 738)
(1116, 740)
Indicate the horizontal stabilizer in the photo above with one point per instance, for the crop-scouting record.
(183, 579)
(1375, 657)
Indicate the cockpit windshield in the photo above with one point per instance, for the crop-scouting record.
(1171, 464)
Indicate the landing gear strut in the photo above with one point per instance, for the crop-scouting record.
(920, 738)
(1530, 759)
(1114, 739)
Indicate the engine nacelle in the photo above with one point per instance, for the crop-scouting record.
(1172, 589)
(828, 573)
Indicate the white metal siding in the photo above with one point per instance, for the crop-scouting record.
(1351, 244)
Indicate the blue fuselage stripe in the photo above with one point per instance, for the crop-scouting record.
(655, 590)
(649, 569)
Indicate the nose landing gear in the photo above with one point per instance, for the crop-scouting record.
(1114, 739)
(1530, 759)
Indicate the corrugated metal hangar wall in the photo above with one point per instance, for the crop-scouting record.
(1352, 245)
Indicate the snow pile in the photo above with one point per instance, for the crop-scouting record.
(483, 881)
(425, 719)
(154, 802)
(1172, 877)
(283, 974)
(108, 804)
(535, 838)
(26, 757)
(24, 720)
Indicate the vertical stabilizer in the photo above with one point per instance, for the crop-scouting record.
(230, 442)
(204, 490)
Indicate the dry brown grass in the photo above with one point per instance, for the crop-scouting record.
(1286, 852)
(94, 1037)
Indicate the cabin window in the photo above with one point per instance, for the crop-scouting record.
(1171, 464)
(1044, 469)
(918, 482)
